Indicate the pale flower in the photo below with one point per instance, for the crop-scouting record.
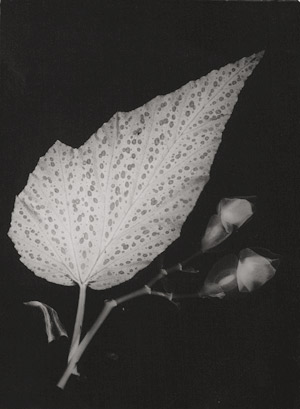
(221, 279)
(246, 273)
(232, 213)
(254, 270)
(214, 234)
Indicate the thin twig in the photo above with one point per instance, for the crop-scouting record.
(162, 273)
(192, 257)
(183, 296)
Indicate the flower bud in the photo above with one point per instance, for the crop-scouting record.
(234, 212)
(214, 233)
(254, 270)
(246, 274)
(221, 279)
(231, 213)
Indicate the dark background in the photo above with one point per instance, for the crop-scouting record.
(66, 68)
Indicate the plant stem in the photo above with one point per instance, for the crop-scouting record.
(108, 306)
(168, 296)
(162, 273)
(183, 296)
(78, 321)
(145, 290)
(187, 260)
(77, 347)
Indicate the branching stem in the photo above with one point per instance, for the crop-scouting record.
(108, 306)
(77, 347)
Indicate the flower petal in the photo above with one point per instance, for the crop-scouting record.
(254, 270)
(222, 277)
(235, 211)
(214, 233)
(211, 290)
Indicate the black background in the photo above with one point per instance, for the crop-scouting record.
(67, 67)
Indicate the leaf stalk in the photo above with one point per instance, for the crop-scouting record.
(78, 323)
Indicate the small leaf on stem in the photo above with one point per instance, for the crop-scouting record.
(53, 326)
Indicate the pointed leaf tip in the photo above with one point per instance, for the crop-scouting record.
(260, 54)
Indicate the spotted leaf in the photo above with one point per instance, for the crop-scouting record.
(98, 214)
